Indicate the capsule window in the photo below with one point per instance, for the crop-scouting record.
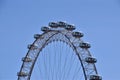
(36, 36)
(90, 60)
(85, 45)
(53, 24)
(31, 46)
(22, 74)
(61, 24)
(45, 29)
(70, 27)
(95, 77)
(26, 59)
(77, 34)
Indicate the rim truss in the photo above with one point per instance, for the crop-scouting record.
(45, 38)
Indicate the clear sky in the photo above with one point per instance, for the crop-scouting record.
(99, 20)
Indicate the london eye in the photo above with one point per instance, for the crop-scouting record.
(59, 53)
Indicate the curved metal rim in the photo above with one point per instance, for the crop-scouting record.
(70, 43)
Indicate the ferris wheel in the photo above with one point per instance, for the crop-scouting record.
(59, 53)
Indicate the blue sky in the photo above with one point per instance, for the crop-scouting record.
(99, 20)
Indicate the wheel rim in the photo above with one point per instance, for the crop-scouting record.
(51, 36)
